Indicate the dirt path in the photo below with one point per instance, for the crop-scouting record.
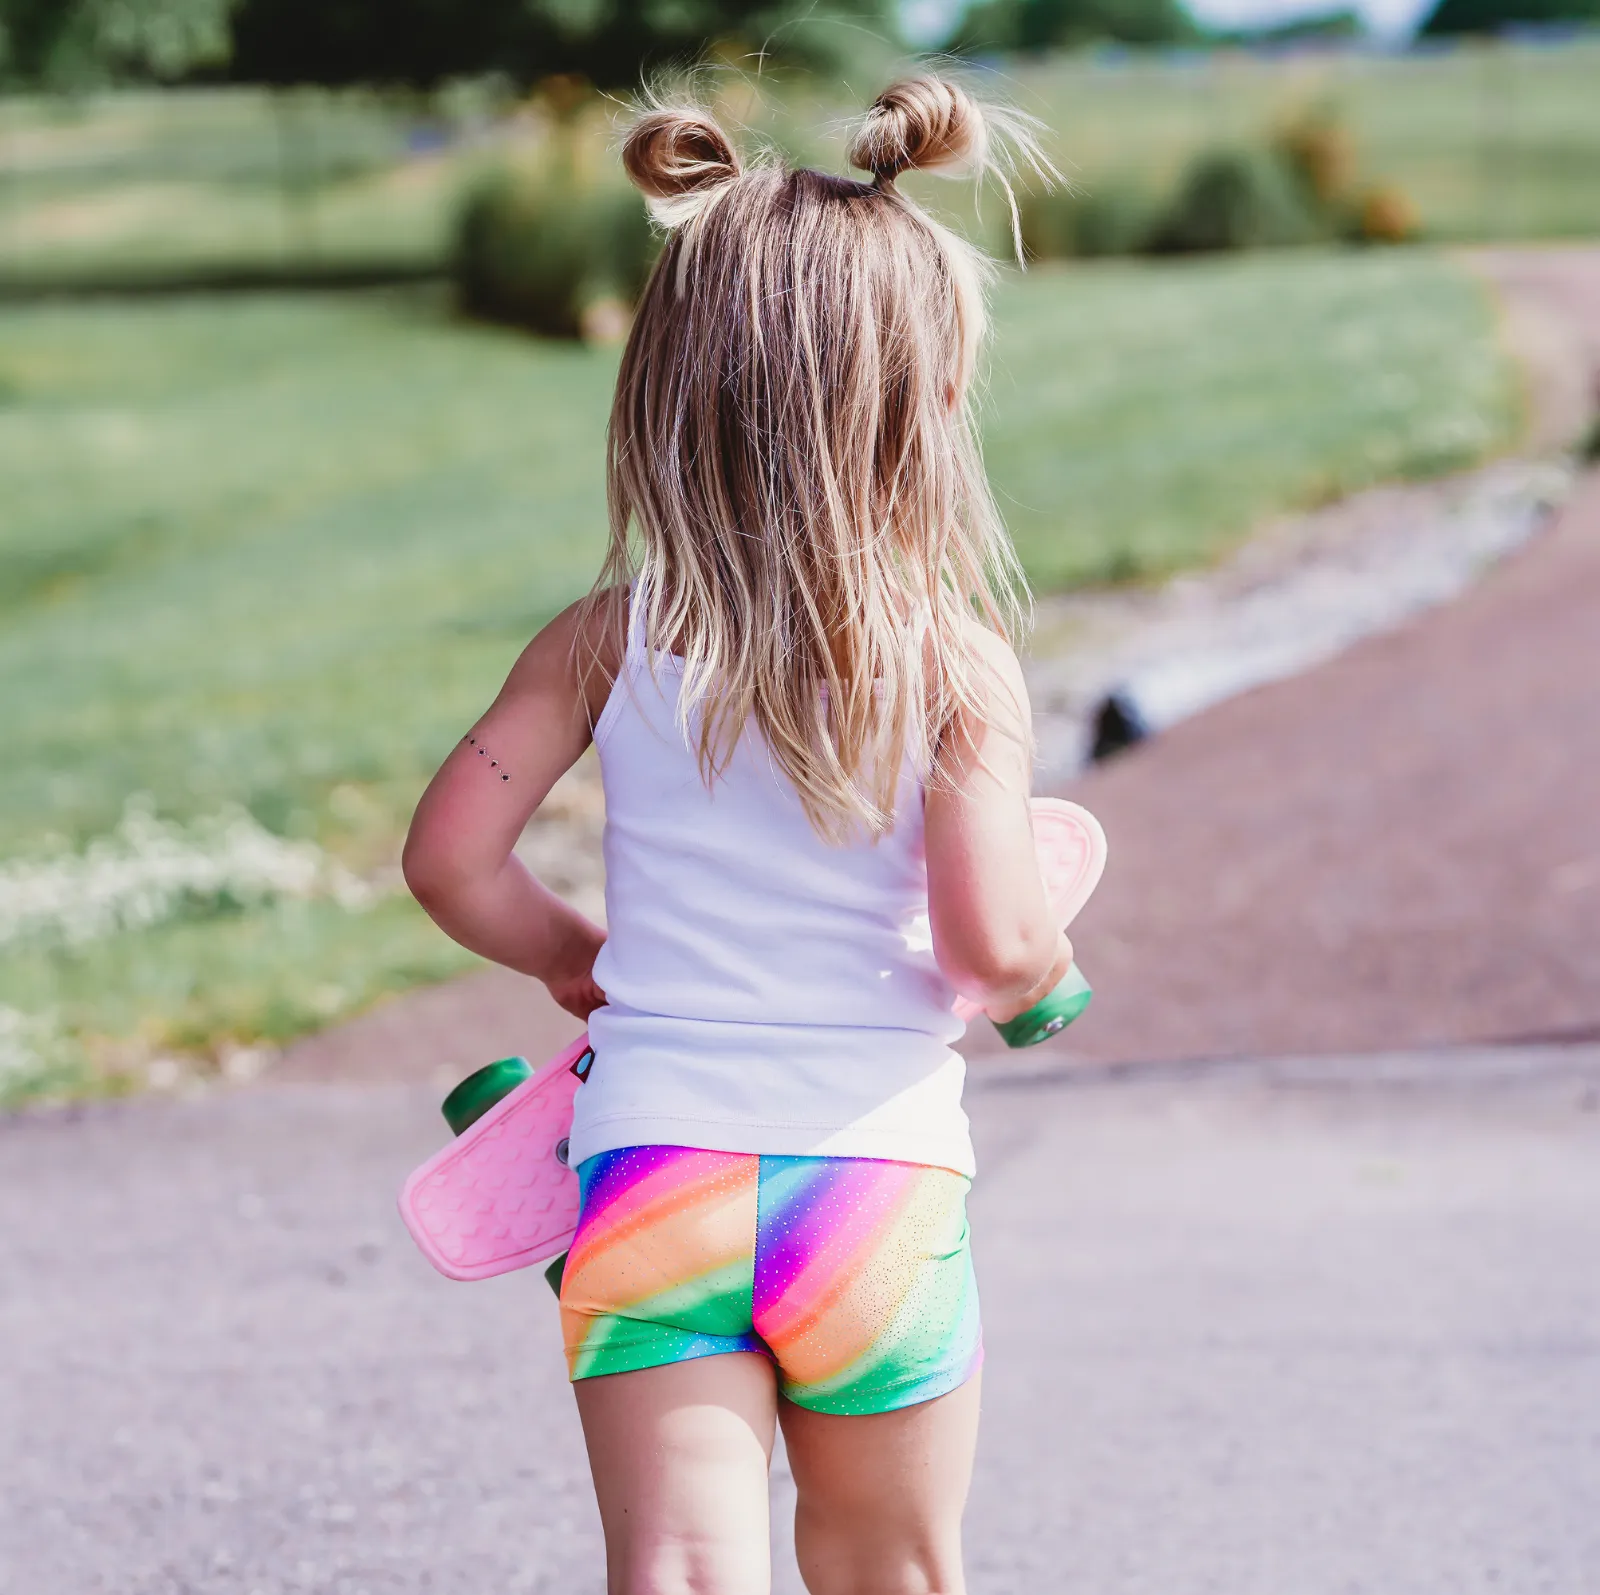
(1400, 847)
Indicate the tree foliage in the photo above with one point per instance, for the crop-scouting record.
(78, 43)
(1490, 16)
(1034, 26)
(423, 42)
(413, 43)
(1316, 27)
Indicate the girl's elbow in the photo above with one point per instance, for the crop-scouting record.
(998, 970)
(431, 874)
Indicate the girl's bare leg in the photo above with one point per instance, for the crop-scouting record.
(680, 1458)
(881, 1495)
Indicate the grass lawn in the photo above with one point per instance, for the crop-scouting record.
(1489, 141)
(144, 183)
(1143, 418)
(278, 551)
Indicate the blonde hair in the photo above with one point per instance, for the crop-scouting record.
(792, 443)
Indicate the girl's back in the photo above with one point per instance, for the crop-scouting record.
(767, 990)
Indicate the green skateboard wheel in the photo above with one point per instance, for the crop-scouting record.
(1050, 1014)
(481, 1090)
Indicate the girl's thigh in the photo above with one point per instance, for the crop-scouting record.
(881, 1495)
(680, 1456)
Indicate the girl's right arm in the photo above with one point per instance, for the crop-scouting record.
(460, 860)
(993, 932)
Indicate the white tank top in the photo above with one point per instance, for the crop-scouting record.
(766, 992)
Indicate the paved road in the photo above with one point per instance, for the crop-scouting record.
(1270, 1330)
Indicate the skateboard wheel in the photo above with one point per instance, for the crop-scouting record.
(1049, 1015)
(481, 1090)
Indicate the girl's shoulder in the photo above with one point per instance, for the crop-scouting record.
(995, 701)
(599, 645)
(577, 655)
(994, 673)
(991, 652)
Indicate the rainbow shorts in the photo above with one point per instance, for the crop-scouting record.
(853, 1274)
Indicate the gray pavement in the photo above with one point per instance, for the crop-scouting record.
(1283, 1329)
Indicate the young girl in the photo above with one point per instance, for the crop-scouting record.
(814, 742)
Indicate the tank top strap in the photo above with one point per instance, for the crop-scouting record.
(633, 647)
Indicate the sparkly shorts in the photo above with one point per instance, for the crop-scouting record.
(852, 1274)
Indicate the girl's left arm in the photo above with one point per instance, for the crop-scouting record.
(459, 860)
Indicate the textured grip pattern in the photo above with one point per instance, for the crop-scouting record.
(498, 1197)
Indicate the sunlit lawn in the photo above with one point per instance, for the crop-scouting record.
(1498, 141)
(142, 184)
(280, 550)
(1488, 140)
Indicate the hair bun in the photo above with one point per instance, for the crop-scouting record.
(921, 124)
(671, 153)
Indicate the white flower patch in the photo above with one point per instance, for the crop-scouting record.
(33, 1054)
(149, 870)
(20, 1038)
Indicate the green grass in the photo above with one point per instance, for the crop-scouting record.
(258, 547)
(280, 551)
(146, 185)
(192, 985)
(1141, 418)
(1489, 142)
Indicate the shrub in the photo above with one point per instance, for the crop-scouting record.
(1236, 199)
(1296, 186)
(1317, 149)
(1114, 218)
(541, 244)
(1384, 214)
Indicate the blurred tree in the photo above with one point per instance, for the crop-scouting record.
(412, 42)
(1490, 16)
(75, 43)
(1034, 26)
(420, 43)
(1318, 26)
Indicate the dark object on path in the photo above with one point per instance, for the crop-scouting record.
(1589, 443)
(1118, 723)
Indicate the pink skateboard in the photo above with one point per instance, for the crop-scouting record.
(501, 1196)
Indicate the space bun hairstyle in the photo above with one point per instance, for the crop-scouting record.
(677, 158)
(922, 124)
(793, 473)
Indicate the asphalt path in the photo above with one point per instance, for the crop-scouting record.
(1307, 1328)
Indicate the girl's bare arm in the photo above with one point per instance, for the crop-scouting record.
(993, 931)
(459, 860)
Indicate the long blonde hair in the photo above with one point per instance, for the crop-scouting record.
(791, 443)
